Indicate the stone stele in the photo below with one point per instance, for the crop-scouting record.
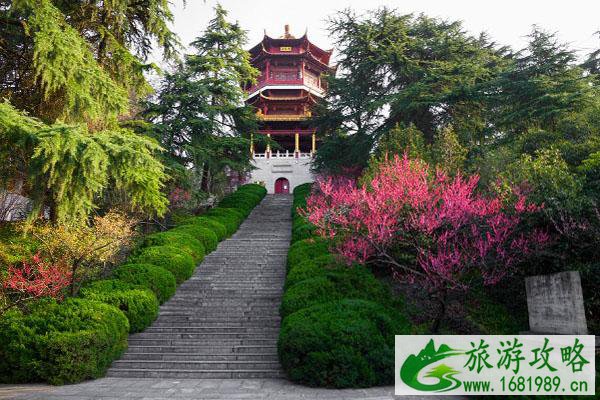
(555, 304)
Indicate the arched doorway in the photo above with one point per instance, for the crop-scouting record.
(282, 186)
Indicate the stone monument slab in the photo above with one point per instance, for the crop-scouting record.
(555, 304)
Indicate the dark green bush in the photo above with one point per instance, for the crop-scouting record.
(139, 304)
(307, 249)
(229, 220)
(313, 268)
(209, 223)
(179, 263)
(348, 343)
(303, 231)
(253, 188)
(234, 213)
(157, 279)
(350, 283)
(244, 203)
(204, 235)
(61, 343)
(181, 239)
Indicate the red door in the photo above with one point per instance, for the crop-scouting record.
(282, 186)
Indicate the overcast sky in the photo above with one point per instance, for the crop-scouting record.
(507, 21)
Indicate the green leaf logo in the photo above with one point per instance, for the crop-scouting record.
(412, 366)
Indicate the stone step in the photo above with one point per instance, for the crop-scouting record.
(200, 336)
(192, 342)
(193, 374)
(224, 321)
(211, 329)
(206, 349)
(196, 365)
(168, 356)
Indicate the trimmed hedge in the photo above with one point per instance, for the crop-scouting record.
(138, 303)
(61, 343)
(181, 265)
(229, 221)
(352, 283)
(205, 236)
(313, 268)
(209, 223)
(303, 231)
(180, 239)
(159, 280)
(307, 249)
(347, 343)
(339, 321)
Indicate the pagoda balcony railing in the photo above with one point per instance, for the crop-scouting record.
(287, 132)
(282, 154)
(283, 117)
(307, 81)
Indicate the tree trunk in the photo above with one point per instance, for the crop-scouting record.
(440, 298)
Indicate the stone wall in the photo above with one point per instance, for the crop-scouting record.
(268, 170)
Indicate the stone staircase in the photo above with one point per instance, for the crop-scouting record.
(224, 321)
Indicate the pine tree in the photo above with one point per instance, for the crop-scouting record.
(200, 116)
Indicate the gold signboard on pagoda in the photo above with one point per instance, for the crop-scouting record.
(285, 48)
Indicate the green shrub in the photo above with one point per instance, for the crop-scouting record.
(139, 304)
(313, 268)
(209, 223)
(205, 235)
(348, 343)
(242, 202)
(307, 249)
(253, 188)
(61, 343)
(233, 213)
(181, 239)
(303, 231)
(351, 283)
(159, 280)
(230, 221)
(179, 263)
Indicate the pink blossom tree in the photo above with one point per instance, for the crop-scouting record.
(425, 226)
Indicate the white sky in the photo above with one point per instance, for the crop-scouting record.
(507, 21)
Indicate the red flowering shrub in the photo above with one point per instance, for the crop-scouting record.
(34, 279)
(425, 225)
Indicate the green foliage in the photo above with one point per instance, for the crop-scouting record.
(69, 168)
(64, 63)
(139, 304)
(79, 62)
(347, 343)
(159, 280)
(179, 263)
(447, 152)
(204, 235)
(209, 223)
(302, 230)
(199, 115)
(61, 343)
(307, 249)
(229, 219)
(351, 283)
(551, 181)
(176, 238)
(314, 268)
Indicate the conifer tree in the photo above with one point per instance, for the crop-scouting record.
(199, 115)
(69, 72)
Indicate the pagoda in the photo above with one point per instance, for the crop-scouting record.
(290, 83)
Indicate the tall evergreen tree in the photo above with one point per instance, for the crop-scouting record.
(407, 69)
(69, 71)
(199, 115)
